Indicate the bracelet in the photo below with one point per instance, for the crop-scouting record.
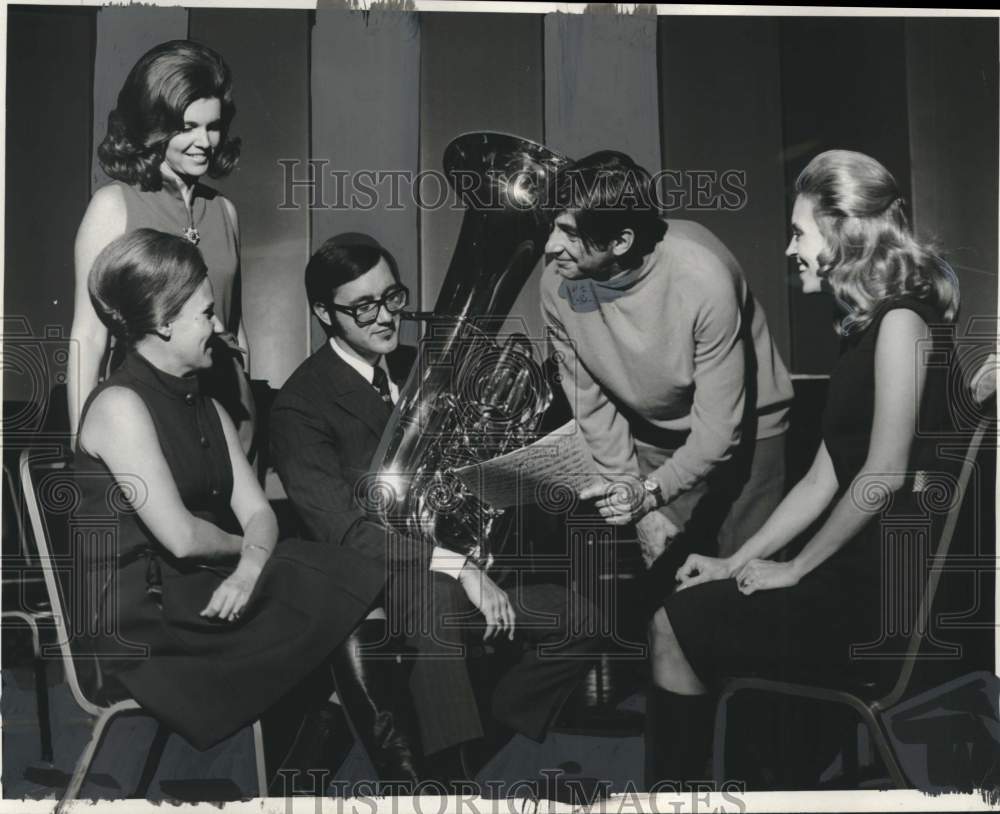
(248, 546)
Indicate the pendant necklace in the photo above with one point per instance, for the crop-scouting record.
(190, 232)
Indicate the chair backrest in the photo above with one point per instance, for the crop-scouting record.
(14, 544)
(967, 468)
(43, 465)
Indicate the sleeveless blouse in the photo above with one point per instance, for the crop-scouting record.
(165, 211)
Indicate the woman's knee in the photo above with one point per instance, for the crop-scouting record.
(661, 632)
(670, 667)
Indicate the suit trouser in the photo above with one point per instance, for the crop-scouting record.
(557, 634)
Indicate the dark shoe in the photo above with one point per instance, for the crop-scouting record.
(314, 756)
(365, 688)
(604, 721)
(476, 754)
(678, 738)
(448, 770)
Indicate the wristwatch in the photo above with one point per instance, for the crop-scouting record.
(652, 487)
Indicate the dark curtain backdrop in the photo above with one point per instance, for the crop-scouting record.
(49, 109)
(388, 90)
(843, 83)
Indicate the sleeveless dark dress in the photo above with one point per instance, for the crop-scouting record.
(806, 632)
(204, 678)
(164, 211)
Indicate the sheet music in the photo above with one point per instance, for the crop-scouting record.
(560, 461)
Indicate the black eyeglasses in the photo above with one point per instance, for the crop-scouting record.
(394, 300)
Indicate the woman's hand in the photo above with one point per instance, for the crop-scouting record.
(619, 502)
(765, 575)
(698, 569)
(230, 599)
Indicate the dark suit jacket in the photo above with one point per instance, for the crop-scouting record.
(325, 424)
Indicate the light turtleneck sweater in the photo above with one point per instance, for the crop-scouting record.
(661, 348)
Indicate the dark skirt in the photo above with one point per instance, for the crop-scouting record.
(812, 632)
(206, 679)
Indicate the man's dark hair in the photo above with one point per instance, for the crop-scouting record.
(338, 261)
(607, 192)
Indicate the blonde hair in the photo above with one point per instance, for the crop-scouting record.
(873, 254)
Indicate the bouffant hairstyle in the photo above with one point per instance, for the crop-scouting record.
(150, 111)
(872, 255)
(141, 281)
(607, 192)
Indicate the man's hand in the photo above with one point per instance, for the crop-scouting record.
(490, 599)
(698, 569)
(764, 575)
(620, 501)
(655, 533)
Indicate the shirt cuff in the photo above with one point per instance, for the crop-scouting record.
(447, 561)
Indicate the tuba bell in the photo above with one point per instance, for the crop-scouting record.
(468, 398)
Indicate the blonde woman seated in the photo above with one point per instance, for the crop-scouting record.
(748, 614)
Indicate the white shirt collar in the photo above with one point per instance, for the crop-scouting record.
(366, 370)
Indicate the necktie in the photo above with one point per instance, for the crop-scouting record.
(381, 383)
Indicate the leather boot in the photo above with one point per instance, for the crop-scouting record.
(678, 738)
(365, 687)
(306, 738)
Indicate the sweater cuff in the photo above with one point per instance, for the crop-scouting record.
(447, 561)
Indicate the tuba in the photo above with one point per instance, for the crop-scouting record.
(468, 398)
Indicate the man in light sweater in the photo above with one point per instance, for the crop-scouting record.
(667, 362)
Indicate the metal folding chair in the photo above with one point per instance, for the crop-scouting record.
(102, 712)
(18, 577)
(865, 699)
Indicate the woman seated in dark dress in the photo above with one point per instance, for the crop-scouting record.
(748, 614)
(204, 617)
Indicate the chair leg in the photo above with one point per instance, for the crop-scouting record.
(41, 684)
(42, 700)
(885, 750)
(153, 758)
(41, 693)
(258, 748)
(85, 760)
(850, 756)
(719, 740)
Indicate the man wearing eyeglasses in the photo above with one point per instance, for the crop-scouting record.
(326, 424)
